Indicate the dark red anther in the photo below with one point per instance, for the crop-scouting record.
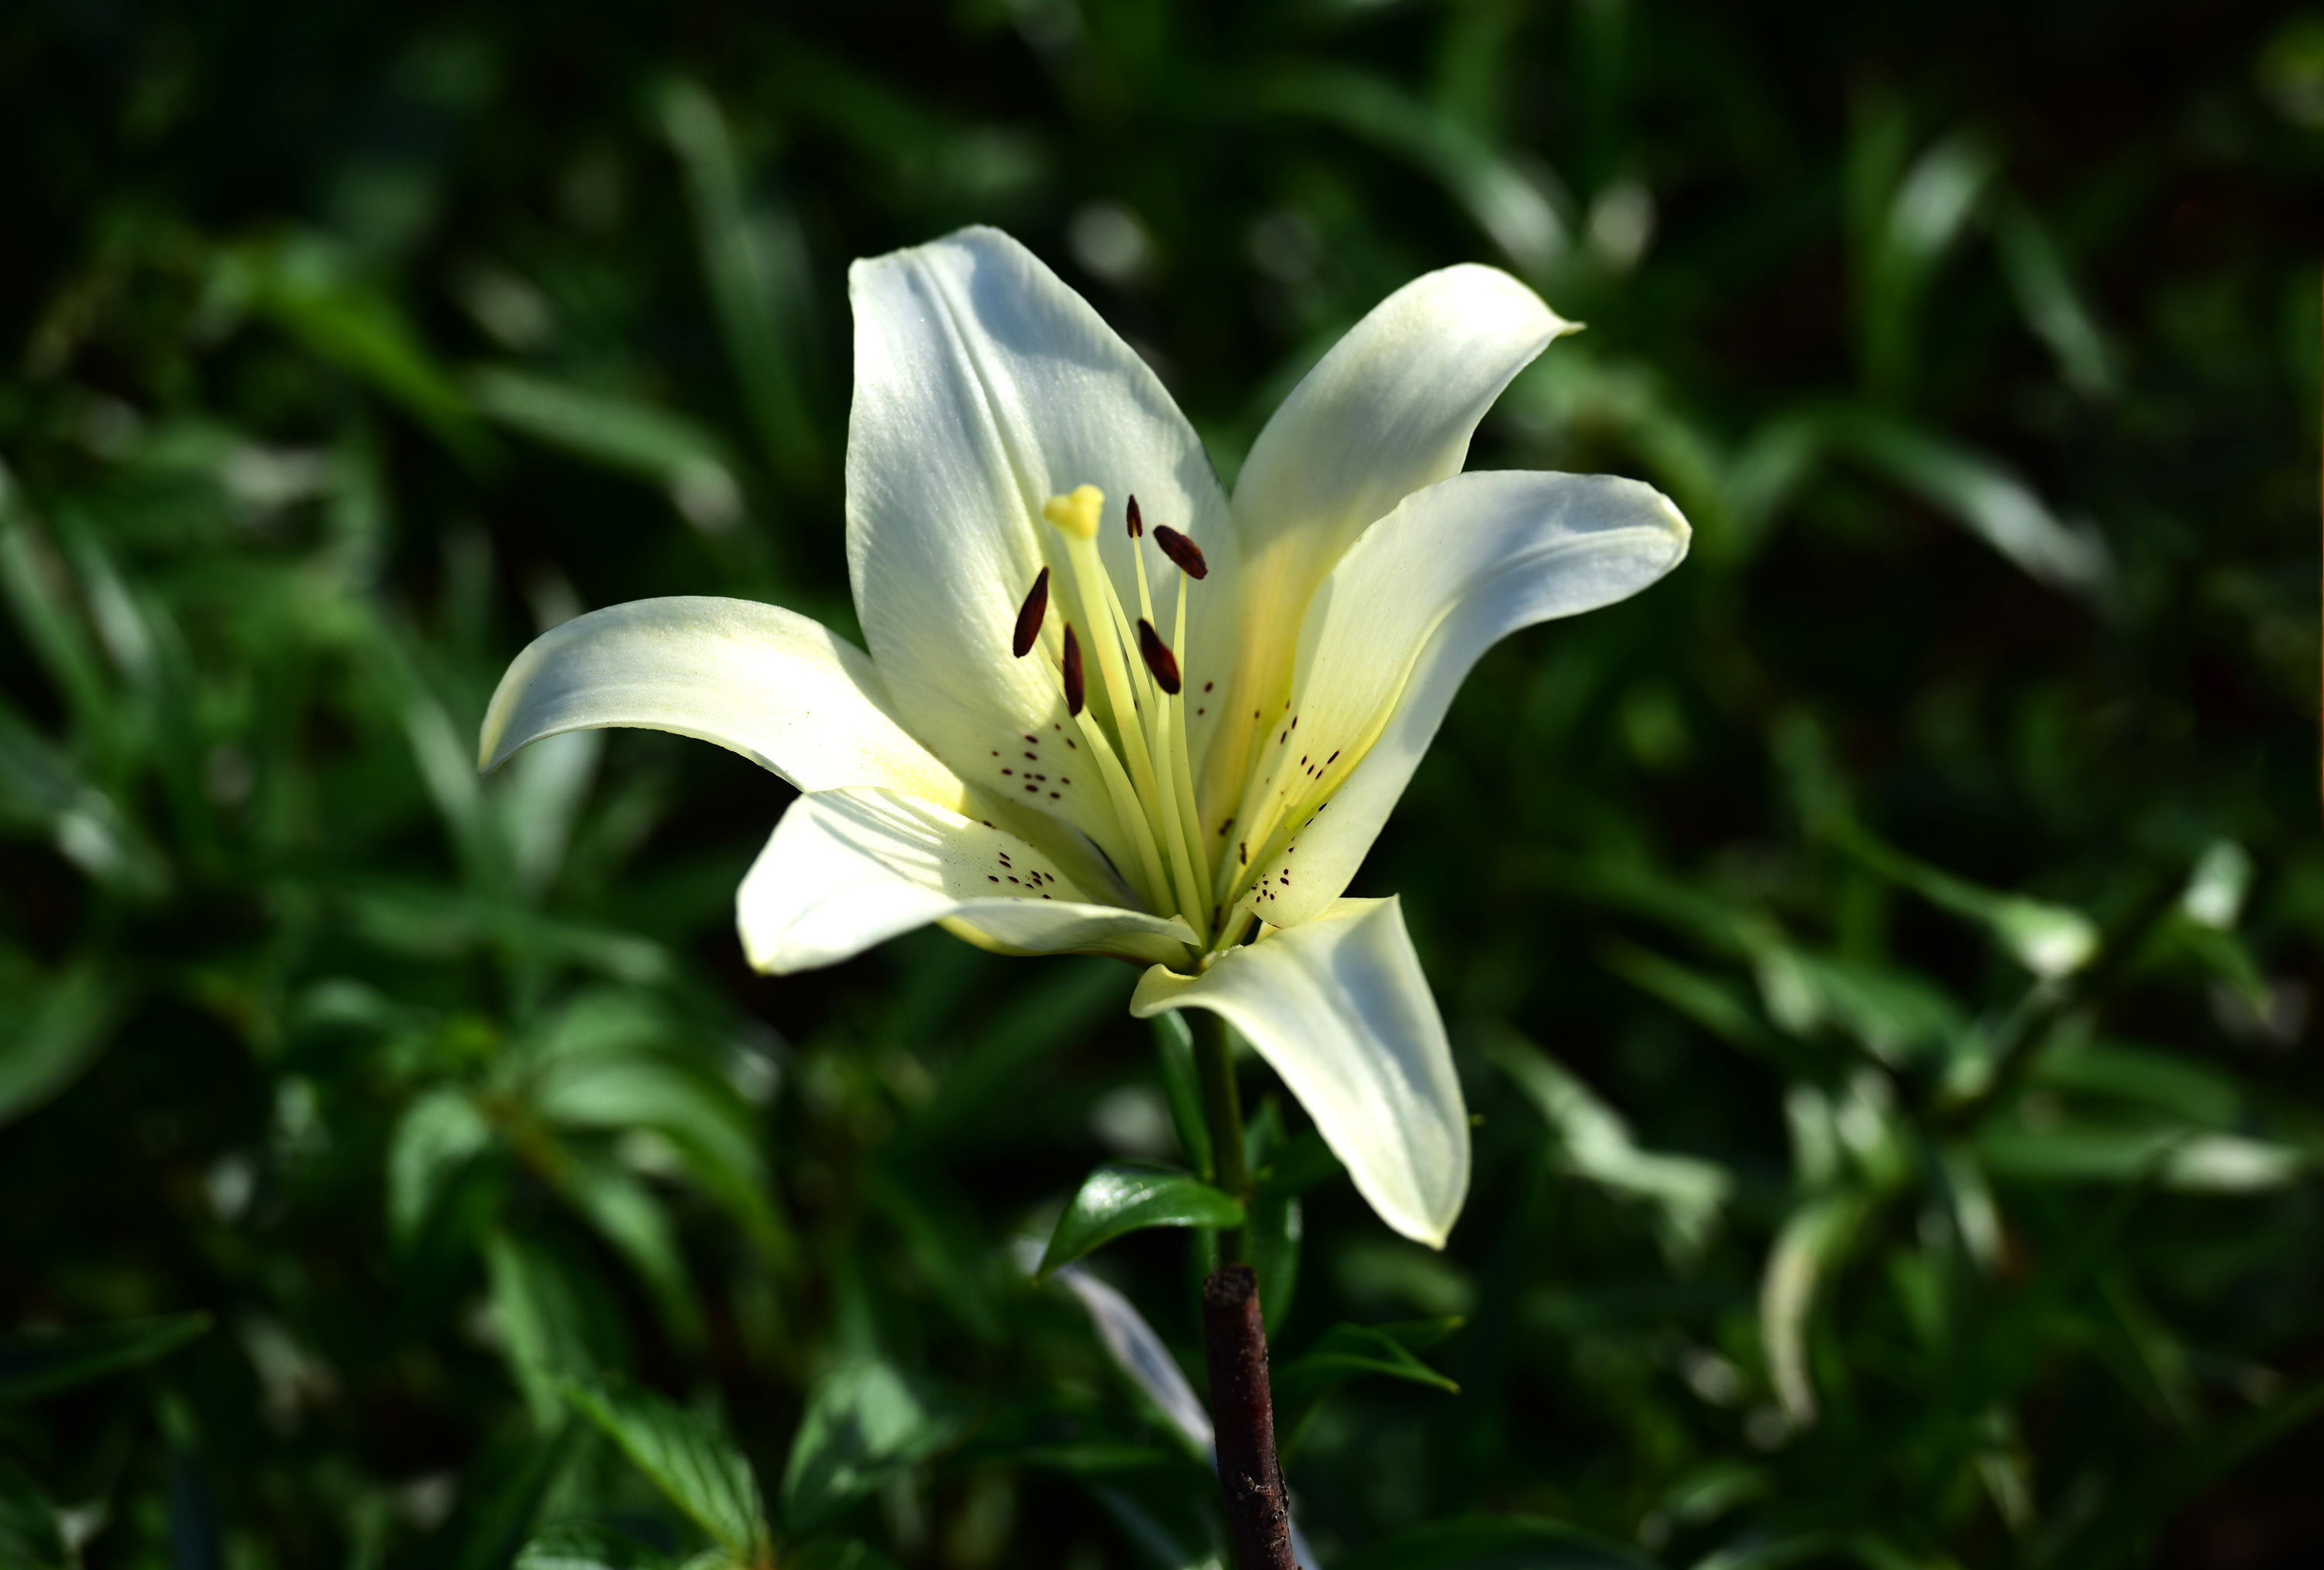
(1073, 694)
(1184, 553)
(1137, 520)
(1029, 614)
(1159, 657)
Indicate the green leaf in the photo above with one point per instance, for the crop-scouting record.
(307, 287)
(436, 1138)
(695, 1466)
(2160, 1487)
(547, 1321)
(831, 1553)
(693, 1110)
(1125, 1197)
(631, 1216)
(1174, 1043)
(863, 1421)
(2053, 307)
(1688, 1193)
(29, 1538)
(1303, 1163)
(1278, 1227)
(2191, 1162)
(2150, 1076)
(40, 590)
(43, 786)
(621, 434)
(502, 1496)
(1347, 1352)
(1498, 1543)
(1277, 1223)
(37, 1365)
(2049, 939)
(1502, 197)
(579, 1546)
(63, 1027)
(1813, 1240)
(946, 1237)
(754, 261)
(1709, 1001)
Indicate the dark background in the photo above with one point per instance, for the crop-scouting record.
(341, 347)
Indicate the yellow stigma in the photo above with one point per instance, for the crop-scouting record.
(1076, 513)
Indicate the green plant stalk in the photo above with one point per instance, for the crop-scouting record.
(1222, 1115)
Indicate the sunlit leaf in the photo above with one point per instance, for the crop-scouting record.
(2053, 306)
(862, 1422)
(695, 1466)
(545, 1320)
(1509, 202)
(755, 263)
(1594, 1144)
(622, 434)
(2049, 939)
(1982, 495)
(1813, 1241)
(1120, 1197)
(435, 1141)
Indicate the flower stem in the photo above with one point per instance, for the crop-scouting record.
(1222, 1115)
(1243, 1415)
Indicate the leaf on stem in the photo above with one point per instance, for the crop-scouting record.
(1124, 1197)
(1347, 1352)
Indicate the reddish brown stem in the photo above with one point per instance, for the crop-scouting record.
(1234, 1338)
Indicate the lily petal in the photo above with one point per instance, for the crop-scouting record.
(1408, 610)
(1341, 1010)
(1388, 411)
(846, 870)
(781, 690)
(983, 387)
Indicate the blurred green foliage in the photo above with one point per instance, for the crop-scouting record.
(1882, 958)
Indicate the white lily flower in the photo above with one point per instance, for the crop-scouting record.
(1108, 710)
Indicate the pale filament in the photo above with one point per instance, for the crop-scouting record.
(1151, 783)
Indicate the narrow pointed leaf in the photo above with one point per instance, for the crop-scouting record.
(1347, 1352)
(38, 1365)
(1125, 1197)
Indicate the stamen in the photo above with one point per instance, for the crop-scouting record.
(1183, 552)
(1029, 614)
(1075, 696)
(1159, 657)
(1137, 521)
